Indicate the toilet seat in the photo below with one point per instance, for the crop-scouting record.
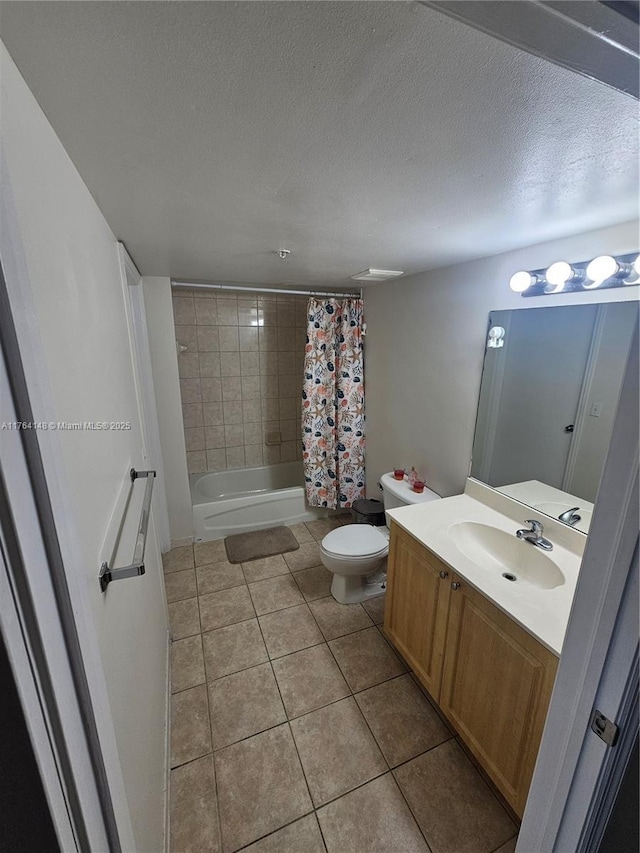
(354, 541)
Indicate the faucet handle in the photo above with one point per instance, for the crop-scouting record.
(536, 526)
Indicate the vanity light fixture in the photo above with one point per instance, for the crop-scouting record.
(605, 271)
(496, 337)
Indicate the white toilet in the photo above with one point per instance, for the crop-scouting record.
(355, 552)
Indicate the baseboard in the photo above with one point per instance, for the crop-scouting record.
(167, 752)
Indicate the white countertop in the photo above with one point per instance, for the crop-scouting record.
(544, 613)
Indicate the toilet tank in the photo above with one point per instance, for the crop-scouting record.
(397, 493)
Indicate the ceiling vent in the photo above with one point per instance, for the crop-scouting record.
(377, 275)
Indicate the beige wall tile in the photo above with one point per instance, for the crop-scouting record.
(212, 414)
(190, 390)
(268, 339)
(216, 460)
(253, 433)
(248, 339)
(271, 409)
(289, 430)
(192, 417)
(196, 462)
(268, 363)
(214, 437)
(194, 439)
(290, 451)
(271, 454)
(233, 413)
(249, 364)
(251, 411)
(227, 312)
(186, 335)
(230, 363)
(248, 314)
(286, 339)
(231, 388)
(207, 338)
(290, 385)
(210, 363)
(250, 387)
(211, 390)
(206, 313)
(183, 310)
(286, 313)
(287, 408)
(253, 455)
(188, 365)
(233, 435)
(235, 457)
(228, 336)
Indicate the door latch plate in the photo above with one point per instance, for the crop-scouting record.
(604, 728)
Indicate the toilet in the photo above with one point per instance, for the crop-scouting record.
(356, 553)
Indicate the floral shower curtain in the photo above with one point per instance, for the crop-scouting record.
(333, 403)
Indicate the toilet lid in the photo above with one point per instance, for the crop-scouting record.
(355, 540)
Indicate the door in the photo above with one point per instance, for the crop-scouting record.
(496, 685)
(416, 608)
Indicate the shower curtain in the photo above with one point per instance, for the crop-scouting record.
(333, 403)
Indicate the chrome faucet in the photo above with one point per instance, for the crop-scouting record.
(570, 516)
(534, 535)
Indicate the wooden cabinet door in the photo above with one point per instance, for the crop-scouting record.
(496, 686)
(416, 608)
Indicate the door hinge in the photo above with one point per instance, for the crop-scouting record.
(604, 728)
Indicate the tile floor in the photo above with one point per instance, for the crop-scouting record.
(297, 729)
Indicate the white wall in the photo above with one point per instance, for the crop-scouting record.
(166, 383)
(425, 346)
(69, 309)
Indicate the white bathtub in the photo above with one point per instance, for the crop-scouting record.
(244, 499)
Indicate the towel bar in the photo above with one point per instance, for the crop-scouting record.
(137, 564)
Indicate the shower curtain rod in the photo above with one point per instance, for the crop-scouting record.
(205, 286)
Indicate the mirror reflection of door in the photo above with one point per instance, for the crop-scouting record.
(559, 367)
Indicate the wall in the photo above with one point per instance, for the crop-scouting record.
(425, 346)
(164, 366)
(68, 302)
(240, 377)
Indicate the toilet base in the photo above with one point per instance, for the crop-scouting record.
(351, 589)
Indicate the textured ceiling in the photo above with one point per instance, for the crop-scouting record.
(355, 134)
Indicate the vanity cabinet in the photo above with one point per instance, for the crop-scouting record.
(491, 679)
(418, 590)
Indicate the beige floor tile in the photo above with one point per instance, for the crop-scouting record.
(345, 517)
(287, 631)
(337, 750)
(308, 680)
(178, 559)
(184, 618)
(374, 818)
(301, 533)
(187, 663)
(261, 787)
(307, 555)
(244, 704)
(314, 583)
(319, 529)
(509, 847)
(303, 836)
(401, 719)
(180, 585)
(375, 608)
(233, 648)
(194, 813)
(336, 620)
(366, 658)
(217, 576)
(225, 607)
(267, 567)
(190, 737)
(209, 552)
(275, 594)
(465, 816)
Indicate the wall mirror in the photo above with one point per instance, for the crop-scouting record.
(550, 386)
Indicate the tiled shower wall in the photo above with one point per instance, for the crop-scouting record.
(240, 377)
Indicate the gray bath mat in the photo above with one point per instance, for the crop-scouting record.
(261, 543)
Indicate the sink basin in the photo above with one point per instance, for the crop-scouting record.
(496, 550)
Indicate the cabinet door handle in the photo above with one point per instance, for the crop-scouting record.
(444, 574)
(455, 585)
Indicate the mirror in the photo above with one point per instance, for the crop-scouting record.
(550, 386)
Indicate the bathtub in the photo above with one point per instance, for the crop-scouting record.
(244, 499)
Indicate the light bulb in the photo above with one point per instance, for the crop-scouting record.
(636, 266)
(600, 269)
(558, 275)
(521, 281)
